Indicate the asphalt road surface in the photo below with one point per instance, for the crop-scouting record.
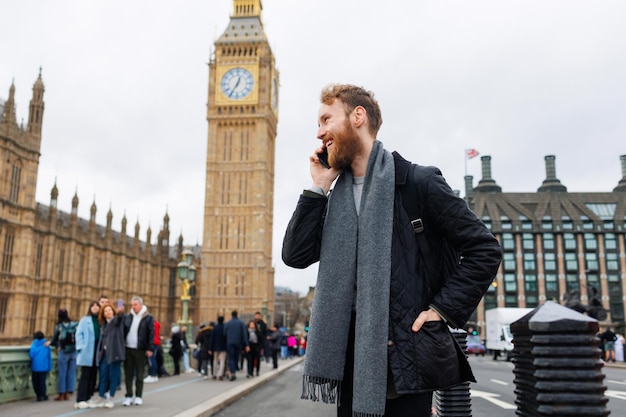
(492, 395)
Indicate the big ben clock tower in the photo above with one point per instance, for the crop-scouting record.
(242, 111)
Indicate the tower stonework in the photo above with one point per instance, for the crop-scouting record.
(242, 112)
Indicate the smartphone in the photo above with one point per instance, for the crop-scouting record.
(323, 156)
(120, 303)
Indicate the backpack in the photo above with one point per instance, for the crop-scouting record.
(67, 334)
(438, 266)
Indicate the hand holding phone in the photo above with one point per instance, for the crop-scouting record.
(120, 303)
(323, 157)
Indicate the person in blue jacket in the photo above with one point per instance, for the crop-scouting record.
(87, 337)
(41, 364)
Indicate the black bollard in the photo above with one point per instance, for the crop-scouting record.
(455, 401)
(557, 364)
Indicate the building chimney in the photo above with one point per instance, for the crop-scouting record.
(621, 186)
(551, 184)
(487, 184)
(469, 187)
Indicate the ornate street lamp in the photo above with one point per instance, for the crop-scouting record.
(187, 275)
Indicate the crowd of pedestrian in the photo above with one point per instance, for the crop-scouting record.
(103, 341)
(109, 338)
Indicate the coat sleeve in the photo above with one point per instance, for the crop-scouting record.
(55, 336)
(480, 252)
(303, 238)
(81, 334)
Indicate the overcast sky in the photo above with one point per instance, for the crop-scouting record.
(127, 81)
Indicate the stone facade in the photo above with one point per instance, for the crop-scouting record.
(242, 111)
(51, 259)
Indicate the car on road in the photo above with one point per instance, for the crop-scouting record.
(474, 346)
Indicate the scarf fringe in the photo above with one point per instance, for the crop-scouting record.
(361, 414)
(319, 388)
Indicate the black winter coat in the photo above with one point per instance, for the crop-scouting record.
(430, 359)
(176, 350)
(145, 332)
(113, 340)
(203, 340)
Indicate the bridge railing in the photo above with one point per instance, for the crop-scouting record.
(15, 374)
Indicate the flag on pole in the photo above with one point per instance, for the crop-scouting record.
(471, 153)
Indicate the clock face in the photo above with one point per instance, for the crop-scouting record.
(237, 83)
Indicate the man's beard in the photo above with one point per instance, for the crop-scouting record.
(346, 146)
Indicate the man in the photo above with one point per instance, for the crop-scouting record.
(103, 300)
(261, 327)
(373, 291)
(236, 340)
(217, 348)
(139, 327)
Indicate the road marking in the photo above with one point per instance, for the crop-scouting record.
(497, 381)
(620, 395)
(491, 398)
(616, 382)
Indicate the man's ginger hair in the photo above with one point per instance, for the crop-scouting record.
(352, 96)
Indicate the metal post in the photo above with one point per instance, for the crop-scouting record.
(455, 401)
(557, 364)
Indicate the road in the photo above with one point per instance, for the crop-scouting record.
(492, 395)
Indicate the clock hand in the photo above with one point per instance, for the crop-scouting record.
(235, 86)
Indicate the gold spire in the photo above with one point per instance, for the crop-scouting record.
(247, 8)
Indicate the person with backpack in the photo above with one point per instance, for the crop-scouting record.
(64, 339)
(377, 287)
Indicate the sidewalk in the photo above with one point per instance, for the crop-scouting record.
(186, 395)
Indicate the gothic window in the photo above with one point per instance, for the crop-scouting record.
(14, 192)
(32, 318)
(38, 259)
(4, 302)
(7, 251)
(81, 268)
(61, 269)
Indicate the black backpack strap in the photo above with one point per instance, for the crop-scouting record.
(407, 184)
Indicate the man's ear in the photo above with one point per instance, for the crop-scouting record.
(359, 116)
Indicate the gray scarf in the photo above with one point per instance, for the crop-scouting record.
(355, 256)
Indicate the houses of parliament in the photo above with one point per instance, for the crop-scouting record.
(556, 243)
